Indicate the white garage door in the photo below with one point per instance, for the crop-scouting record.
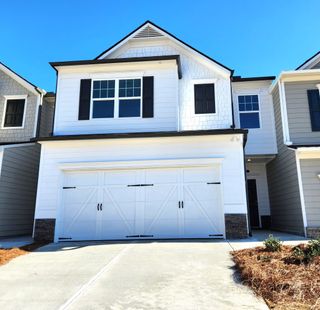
(143, 203)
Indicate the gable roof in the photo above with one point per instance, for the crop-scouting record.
(21, 80)
(149, 29)
(314, 58)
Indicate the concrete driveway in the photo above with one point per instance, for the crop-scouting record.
(152, 275)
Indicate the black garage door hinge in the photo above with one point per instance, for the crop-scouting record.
(216, 235)
(135, 185)
(139, 236)
(64, 238)
(210, 183)
(68, 187)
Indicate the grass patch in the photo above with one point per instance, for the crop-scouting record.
(286, 278)
(7, 255)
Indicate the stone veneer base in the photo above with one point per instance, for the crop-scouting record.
(236, 226)
(44, 230)
(313, 232)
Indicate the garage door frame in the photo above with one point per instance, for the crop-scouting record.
(137, 164)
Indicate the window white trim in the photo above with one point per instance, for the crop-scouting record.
(253, 111)
(116, 97)
(204, 81)
(12, 97)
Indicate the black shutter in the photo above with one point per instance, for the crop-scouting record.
(84, 100)
(147, 97)
(314, 107)
(204, 98)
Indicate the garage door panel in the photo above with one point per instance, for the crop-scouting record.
(161, 217)
(116, 229)
(120, 177)
(162, 176)
(80, 214)
(82, 179)
(200, 174)
(143, 202)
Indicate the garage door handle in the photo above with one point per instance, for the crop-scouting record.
(100, 206)
(182, 204)
(179, 205)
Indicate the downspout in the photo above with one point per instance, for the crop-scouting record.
(232, 107)
(39, 115)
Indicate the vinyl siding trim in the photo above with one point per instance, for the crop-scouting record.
(302, 199)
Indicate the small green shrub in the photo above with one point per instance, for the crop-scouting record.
(272, 244)
(306, 252)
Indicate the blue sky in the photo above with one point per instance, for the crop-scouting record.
(254, 37)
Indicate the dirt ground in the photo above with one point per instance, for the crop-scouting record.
(279, 278)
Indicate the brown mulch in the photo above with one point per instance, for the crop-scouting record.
(7, 255)
(280, 280)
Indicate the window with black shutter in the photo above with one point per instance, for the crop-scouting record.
(204, 98)
(314, 108)
(14, 113)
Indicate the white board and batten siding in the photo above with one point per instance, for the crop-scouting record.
(173, 97)
(226, 152)
(261, 141)
(165, 93)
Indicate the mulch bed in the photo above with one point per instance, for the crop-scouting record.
(282, 281)
(7, 255)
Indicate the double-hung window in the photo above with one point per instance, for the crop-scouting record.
(103, 99)
(116, 98)
(14, 113)
(249, 111)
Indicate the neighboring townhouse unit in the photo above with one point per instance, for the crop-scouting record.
(145, 146)
(21, 106)
(294, 176)
(253, 110)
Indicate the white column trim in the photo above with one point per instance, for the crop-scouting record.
(284, 114)
(302, 200)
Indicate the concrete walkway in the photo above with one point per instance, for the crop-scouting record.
(153, 275)
(15, 242)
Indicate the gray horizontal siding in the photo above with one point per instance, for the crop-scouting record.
(18, 183)
(46, 121)
(286, 213)
(298, 112)
(310, 168)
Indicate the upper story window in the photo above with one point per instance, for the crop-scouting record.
(14, 113)
(116, 98)
(204, 98)
(249, 111)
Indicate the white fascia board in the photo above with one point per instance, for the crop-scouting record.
(308, 152)
(190, 50)
(296, 76)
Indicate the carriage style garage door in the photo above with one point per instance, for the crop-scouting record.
(142, 203)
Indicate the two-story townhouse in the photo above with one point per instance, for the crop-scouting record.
(294, 176)
(22, 105)
(144, 146)
(253, 110)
